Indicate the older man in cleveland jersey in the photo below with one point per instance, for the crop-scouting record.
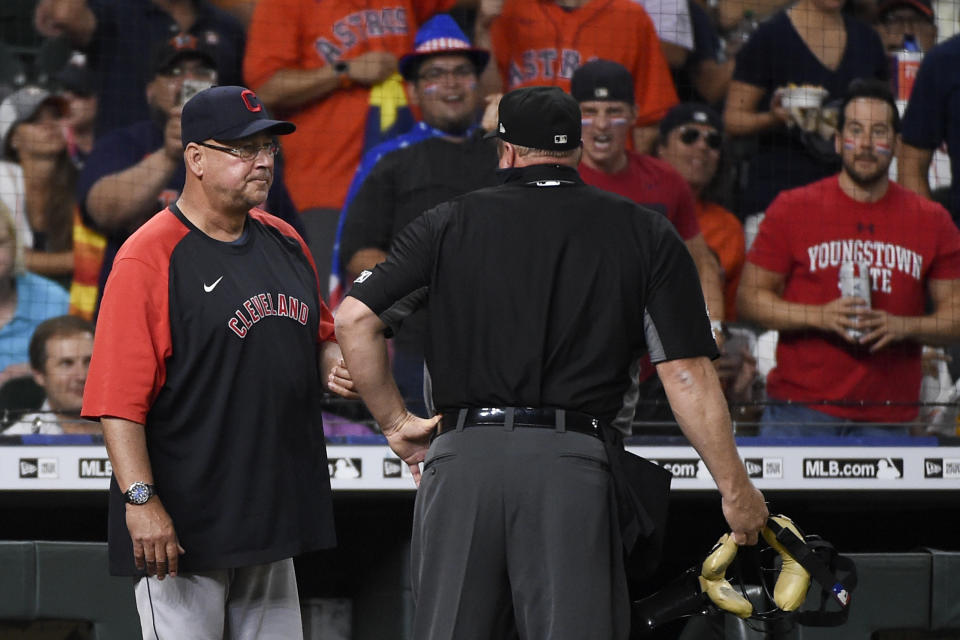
(213, 345)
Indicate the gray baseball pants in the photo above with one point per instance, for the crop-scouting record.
(515, 536)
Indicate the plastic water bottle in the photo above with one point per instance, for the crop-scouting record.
(854, 282)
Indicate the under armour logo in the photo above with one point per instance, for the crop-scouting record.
(864, 227)
(251, 100)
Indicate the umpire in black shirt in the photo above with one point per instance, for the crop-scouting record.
(543, 290)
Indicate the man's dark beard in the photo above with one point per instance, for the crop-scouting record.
(458, 127)
(866, 180)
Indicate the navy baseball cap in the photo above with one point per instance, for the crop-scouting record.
(227, 113)
(925, 7)
(602, 80)
(690, 113)
(180, 47)
(545, 118)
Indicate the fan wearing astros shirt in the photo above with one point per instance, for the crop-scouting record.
(542, 42)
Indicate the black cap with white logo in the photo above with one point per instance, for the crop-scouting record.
(690, 113)
(543, 118)
(227, 113)
(602, 80)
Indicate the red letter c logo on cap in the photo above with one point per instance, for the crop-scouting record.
(251, 101)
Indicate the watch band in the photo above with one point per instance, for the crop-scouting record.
(342, 69)
(139, 493)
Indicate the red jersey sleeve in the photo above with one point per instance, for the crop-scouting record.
(654, 90)
(946, 264)
(131, 345)
(273, 40)
(325, 325)
(426, 8)
(771, 250)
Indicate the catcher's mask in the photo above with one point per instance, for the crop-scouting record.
(785, 570)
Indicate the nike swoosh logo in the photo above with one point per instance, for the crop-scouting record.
(210, 287)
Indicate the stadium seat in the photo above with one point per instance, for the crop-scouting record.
(66, 581)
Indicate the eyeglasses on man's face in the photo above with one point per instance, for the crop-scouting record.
(435, 74)
(192, 69)
(906, 19)
(690, 136)
(247, 151)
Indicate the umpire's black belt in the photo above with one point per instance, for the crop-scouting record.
(510, 417)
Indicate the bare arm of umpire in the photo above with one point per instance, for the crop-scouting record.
(696, 398)
(155, 544)
(361, 336)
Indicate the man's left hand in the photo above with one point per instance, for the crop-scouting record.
(334, 371)
(491, 113)
(340, 382)
(409, 437)
(881, 328)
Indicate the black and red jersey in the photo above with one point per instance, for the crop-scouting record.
(213, 347)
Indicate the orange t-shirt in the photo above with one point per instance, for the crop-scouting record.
(724, 235)
(536, 42)
(322, 155)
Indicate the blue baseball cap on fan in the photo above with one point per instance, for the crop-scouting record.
(227, 113)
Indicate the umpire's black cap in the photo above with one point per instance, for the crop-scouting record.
(545, 118)
(227, 113)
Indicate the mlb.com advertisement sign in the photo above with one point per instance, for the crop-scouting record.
(887, 468)
(94, 468)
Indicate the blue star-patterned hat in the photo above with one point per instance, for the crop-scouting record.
(440, 35)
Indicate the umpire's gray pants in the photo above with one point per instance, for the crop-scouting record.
(515, 536)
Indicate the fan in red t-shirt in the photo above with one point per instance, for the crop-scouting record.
(605, 91)
(841, 361)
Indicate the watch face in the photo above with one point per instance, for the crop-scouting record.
(138, 493)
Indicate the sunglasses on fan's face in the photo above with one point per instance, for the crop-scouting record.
(690, 136)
